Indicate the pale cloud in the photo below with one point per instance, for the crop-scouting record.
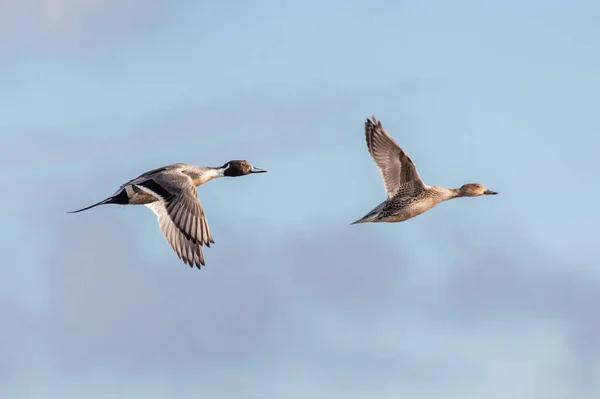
(474, 299)
(341, 309)
(60, 14)
(59, 19)
(335, 307)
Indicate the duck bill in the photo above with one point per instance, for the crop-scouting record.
(489, 192)
(257, 170)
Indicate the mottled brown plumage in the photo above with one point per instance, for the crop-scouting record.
(408, 195)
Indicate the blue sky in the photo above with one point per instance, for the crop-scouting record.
(489, 297)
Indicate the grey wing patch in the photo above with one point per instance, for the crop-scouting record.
(186, 212)
(184, 225)
(158, 172)
(153, 172)
(190, 251)
(395, 166)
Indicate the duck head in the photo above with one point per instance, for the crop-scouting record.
(474, 190)
(239, 168)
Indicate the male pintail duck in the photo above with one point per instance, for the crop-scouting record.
(170, 192)
(408, 196)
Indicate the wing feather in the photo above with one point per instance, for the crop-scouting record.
(395, 166)
(181, 217)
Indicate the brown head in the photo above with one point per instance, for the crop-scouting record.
(474, 190)
(239, 168)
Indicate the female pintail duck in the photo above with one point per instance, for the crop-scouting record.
(408, 196)
(170, 192)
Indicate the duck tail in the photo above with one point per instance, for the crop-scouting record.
(372, 216)
(365, 219)
(121, 199)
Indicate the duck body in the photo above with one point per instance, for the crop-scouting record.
(408, 195)
(404, 206)
(170, 192)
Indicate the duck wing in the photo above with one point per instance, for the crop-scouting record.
(180, 214)
(395, 166)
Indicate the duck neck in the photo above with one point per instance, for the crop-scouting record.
(447, 193)
(202, 174)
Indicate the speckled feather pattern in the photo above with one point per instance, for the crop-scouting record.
(408, 195)
(402, 207)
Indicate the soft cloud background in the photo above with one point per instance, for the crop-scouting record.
(479, 298)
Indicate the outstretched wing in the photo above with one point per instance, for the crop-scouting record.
(395, 166)
(180, 215)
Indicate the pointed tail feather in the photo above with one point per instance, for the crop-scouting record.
(366, 219)
(372, 216)
(106, 201)
(121, 199)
